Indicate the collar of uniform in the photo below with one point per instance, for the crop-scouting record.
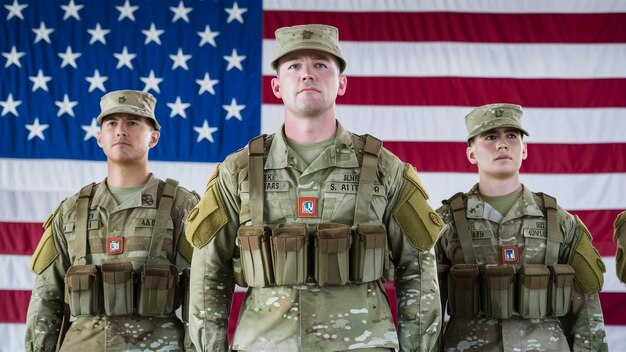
(526, 205)
(278, 157)
(146, 198)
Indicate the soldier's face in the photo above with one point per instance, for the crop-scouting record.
(127, 138)
(308, 82)
(498, 153)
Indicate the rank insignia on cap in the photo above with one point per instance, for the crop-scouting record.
(510, 254)
(307, 207)
(121, 99)
(499, 112)
(307, 34)
(115, 245)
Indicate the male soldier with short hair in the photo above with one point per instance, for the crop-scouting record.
(522, 273)
(620, 237)
(312, 219)
(114, 251)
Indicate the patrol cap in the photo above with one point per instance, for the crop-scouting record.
(308, 36)
(488, 117)
(132, 102)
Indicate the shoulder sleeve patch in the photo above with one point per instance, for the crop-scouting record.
(45, 253)
(586, 261)
(208, 216)
(416, 218)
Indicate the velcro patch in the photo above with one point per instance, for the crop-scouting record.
(208, 216)
(418, 221)
(586, 261)
(45, 253)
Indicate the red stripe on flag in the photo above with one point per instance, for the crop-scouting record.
(544, 158)
(15, 306)
(464, 91)
(613, 308)
(19, 238)
(600, 224)
(459, 27)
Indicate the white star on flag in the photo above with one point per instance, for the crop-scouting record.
(15, 10)
(206, 84)
(181, 12)
(36, 130)
(71, 10)
(178, 108)
(124, 59)
(66, 106)
(40, 81)
(13, 57)
(208, 37)
(235, 13)
(42, 33)
(126, 11)
(10, 105)
(97, 34)
(233, 110)
(180, 60)
(234, 60)
(96, 81)
(151, 82)
(152, 34)
(91, 131)
(69, 57)
(205, 132)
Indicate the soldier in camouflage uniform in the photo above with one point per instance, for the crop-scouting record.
(518, 272)
(620, 238)
(115, 251)
(313, 219)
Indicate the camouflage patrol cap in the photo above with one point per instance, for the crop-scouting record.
(132, 102)
(308, 36)
(488, 117)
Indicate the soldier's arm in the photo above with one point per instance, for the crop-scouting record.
(45, 311)
(587, 323)
(413, 228)
(211, 230)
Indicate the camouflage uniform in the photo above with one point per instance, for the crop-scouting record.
(309, 317)
(489, 230)
(620, 238)
(134, 220)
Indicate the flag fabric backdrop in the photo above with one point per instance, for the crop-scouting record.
(414, 70)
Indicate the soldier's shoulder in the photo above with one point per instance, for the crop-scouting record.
(445, 210)
(238, 160)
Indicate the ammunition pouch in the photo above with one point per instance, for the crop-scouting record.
(82, 290)
(369, 252)
(331, 254)
(498, 290)
(534, 280)
(157, 290)
(118, 288)
(561, 286)
(464, 290)
(254, 256)
(290, 254)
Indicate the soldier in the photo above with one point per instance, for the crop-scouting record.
(620, 238)
(522, 273)
(312, 219)
(115, 250)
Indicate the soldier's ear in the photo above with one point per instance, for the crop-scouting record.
(471, 156)
(154, 138)
(343, 85)
(276, 88)
(524, 150)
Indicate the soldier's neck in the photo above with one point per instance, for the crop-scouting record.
(310, 129)
(127, 175)
(495, 187)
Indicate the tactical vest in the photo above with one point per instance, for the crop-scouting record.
(330, 253)
(115, 288)
(501, 291)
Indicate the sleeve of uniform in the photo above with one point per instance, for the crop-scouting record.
(443, 260)
(587, 322)
(413, 228)
(619, 236)
(212, 230)
(45, 311)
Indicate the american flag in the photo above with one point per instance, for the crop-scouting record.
(414, 70)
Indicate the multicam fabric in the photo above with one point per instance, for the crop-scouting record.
(525, 226)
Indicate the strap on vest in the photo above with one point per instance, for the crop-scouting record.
(555, 238)
(166, 203)
(256, 153)
(366, 179)
(82, 213)
(458, 212)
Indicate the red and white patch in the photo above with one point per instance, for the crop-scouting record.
(510, 254)
(115, 245)
(307, 207)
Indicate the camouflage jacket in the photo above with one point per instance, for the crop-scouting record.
(133, 220)
(309, 317)
(524, 226)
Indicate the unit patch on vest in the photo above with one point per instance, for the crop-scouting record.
(307, 207)
(510, 253)
(115, 245)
